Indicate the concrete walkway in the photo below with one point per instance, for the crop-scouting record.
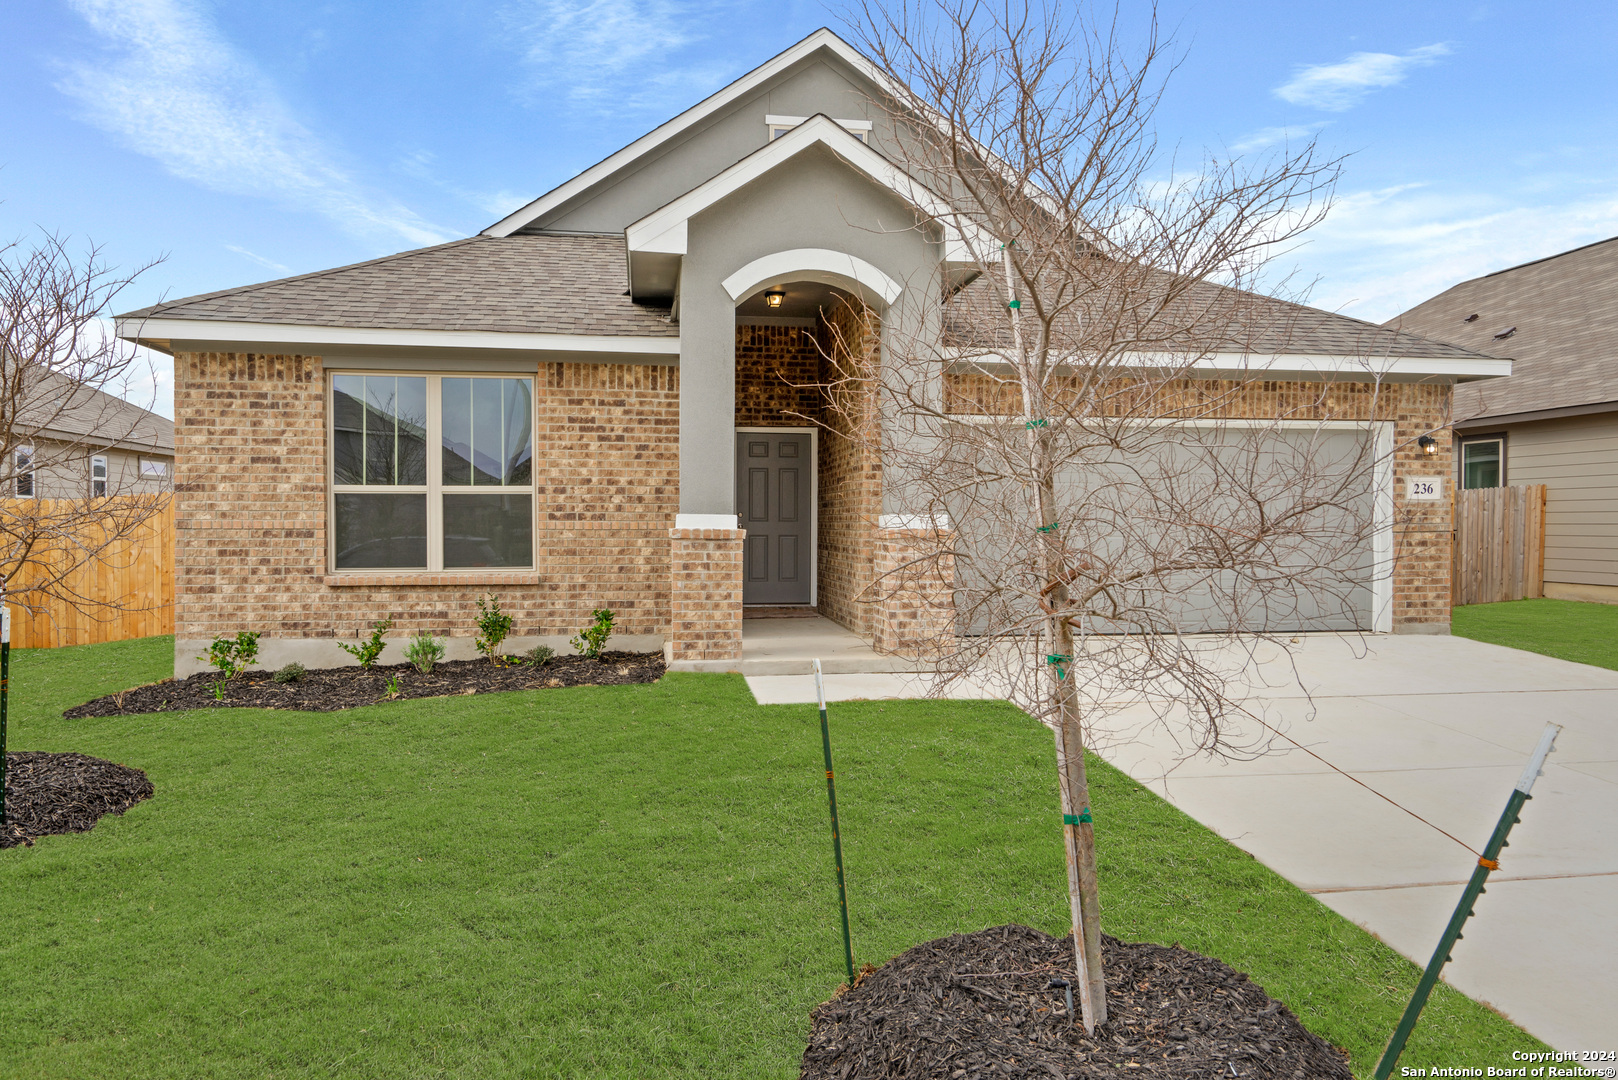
(1442, 726)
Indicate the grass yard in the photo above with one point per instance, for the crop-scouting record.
(1566, 629)
(622, 881)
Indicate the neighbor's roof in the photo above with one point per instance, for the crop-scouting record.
(1561, 318)
(93, 418)
(515, 284)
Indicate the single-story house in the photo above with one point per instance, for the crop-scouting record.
(563, 409)
(77, 442)
(1554, 421)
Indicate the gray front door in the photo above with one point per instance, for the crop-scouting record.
(774, 480)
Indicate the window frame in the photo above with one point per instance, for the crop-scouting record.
(22, 466)
(1460, 458)
(98, 461)
(435, 488)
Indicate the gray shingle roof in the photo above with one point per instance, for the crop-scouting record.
(514, 284)
(60, 409)
(1565, 310)
(1254, 324)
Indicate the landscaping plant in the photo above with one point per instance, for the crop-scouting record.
(291, 673)
(424, 651)
(367, 652)
(394, 686)
(540, 655)
(232, 655)
(592, 640)
(493, 626)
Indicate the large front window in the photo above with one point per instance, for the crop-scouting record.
(432, 472)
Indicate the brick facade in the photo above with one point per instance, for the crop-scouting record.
(251, 509)
(915, 594)
(706, 594)
(850, 467)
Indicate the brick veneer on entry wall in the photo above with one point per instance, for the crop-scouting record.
(250, 507)
(915, 591)
(706, 594)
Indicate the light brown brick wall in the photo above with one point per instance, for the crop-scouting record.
(250, 507)
(706, 596)
(915, 587)
(850, 467)
(1421, 530)
(777, 376)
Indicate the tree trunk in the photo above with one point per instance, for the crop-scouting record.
(1081, 848)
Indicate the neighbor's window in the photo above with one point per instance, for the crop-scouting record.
(153, 468)
(1481, 463)
(432, 472)
(98, 478)
(23, 464)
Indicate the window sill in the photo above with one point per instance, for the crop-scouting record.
(422, 577)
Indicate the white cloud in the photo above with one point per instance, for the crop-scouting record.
(250, 256)
(1382, 252)
(616, 52)
(174, 89)
(1340, 86)
(1272, 136)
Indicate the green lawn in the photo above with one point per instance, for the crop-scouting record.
(618, 882)
(1566, 629)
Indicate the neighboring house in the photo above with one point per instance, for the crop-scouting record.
(1555, 420)
(85, 443)
(571, 408)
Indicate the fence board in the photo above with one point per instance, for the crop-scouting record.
(133, 580)
(1499, 544)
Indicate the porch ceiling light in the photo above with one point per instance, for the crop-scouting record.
(1428, 444)
(774, 297)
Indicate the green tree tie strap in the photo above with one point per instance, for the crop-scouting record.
(1049, 528)
(1056, 660)
(1081, 818)
(1015, 305)
(1032, 424)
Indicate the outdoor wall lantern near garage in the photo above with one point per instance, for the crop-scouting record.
(774, 297)
(1428, 444)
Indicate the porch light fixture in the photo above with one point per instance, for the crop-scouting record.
(1428, 444)
(774, 297)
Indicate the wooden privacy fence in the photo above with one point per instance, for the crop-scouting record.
(1499, 544)
(131, 582)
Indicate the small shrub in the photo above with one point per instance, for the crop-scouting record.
(293, 672)
(540, 655)
(367, 652)
(592, 640)
(393, 686)
(219, 690)
(424, 651)
(493, 626)
(232, 655)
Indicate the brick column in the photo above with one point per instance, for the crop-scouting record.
(705, 595)
(915, 593)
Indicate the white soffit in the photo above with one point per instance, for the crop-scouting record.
(1310, 364)
(294, 334)
(663, 231)
(820, 39)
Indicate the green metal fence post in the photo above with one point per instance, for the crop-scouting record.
(1474, 888)
(836, 838)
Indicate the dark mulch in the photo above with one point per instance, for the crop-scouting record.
(328, 689)
(48, 794)
(1173, 1015)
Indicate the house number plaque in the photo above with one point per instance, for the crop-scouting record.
(1424, 487)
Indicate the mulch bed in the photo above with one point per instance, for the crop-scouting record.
(1173, 1015)
(329, 689)
(48, 794)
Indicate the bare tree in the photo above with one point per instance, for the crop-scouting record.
(63, 376)
(1121, 511)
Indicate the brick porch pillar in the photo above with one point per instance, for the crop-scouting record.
(915, 591)
(705, 595)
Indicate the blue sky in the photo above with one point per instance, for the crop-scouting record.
(248, 141)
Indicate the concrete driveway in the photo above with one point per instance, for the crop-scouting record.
(1442, 726)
